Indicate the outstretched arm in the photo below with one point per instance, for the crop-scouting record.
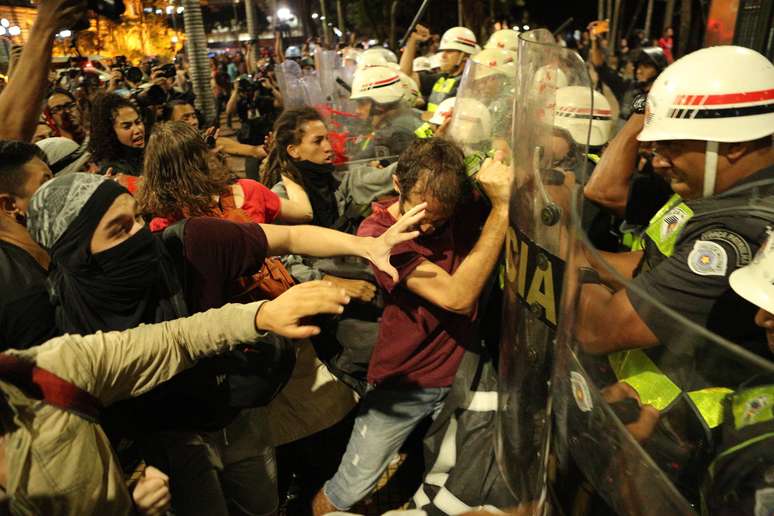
(22, 100)
(322, 242)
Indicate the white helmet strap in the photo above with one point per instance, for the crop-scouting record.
(710, 168)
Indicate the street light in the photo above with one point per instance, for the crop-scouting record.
(170, 9)
(180, 10)
(5, 23)
(14, 31)
(284, 14)
(315, 16)
(65, 34)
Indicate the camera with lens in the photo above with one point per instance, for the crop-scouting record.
(245, 84)
(168, 71)
(111, 9)
(151, 96)
(130, 73)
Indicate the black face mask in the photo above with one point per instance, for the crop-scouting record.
(320, 186)
(311, 167)
(132, 265)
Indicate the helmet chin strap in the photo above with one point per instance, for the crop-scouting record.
(710, 168)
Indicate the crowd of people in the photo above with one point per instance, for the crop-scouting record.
(180, 335)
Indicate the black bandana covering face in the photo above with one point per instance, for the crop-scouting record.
(111, 290)
(320, 186)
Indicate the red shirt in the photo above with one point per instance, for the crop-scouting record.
(261, 205)
(420, 344)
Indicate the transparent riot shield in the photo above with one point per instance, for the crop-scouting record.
(289, 76)
(548, 174)
(327, 62)
(483, 112)
(653, 428)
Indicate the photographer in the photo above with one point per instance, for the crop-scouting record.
(254, 102)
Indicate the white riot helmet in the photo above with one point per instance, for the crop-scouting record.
(550, 76)
(293, 53)
(459, 38)
(718, 94)
(350, 54)
(387, 54)
(422, 64)
(444, 111)
(378, 83)
(471, 122)
(411, 93)
(493, 61)
(435, 61)
(370, 58)
(504, 39)
(573, 110)
(755, 282)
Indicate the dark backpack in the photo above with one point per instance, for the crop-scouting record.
(255, 373)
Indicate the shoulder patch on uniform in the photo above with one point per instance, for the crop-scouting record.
(708, 259)
(744, 254)
(673, 220)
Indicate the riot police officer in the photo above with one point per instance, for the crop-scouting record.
(457, 45)
(383, 97)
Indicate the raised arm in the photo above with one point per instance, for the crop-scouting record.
(459, 292)
(22, 99)
(421, 33)
(609, 184)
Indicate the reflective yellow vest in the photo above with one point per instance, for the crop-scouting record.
(634, 367)
(441, 91)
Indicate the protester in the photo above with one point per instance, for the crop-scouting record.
(117, 135)
(26, 317)
(429, 311)
(64, 111)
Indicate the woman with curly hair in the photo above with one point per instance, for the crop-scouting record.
(183, 178)
(117, 135)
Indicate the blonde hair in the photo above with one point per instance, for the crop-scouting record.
(181, 177)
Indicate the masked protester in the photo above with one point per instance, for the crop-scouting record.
(109, 273)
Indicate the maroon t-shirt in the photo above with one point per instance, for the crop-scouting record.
(421, 344)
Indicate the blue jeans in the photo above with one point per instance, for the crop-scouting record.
(385, 420)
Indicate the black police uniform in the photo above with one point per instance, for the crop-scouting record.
(694, 280)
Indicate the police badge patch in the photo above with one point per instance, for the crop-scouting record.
(672, 221)
(580, 391)
(708, 259)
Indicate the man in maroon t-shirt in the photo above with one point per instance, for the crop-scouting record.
(429, 312)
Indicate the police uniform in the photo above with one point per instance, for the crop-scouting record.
(692, 251)
(444, 86)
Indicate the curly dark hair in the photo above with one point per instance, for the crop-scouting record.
(288, 130)
(104, 144)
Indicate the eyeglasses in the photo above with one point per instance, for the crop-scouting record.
(70, 106)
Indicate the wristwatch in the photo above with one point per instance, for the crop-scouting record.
(638, 104)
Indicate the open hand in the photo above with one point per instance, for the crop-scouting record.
(378, 250)
(356, 289)
(285, 315)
